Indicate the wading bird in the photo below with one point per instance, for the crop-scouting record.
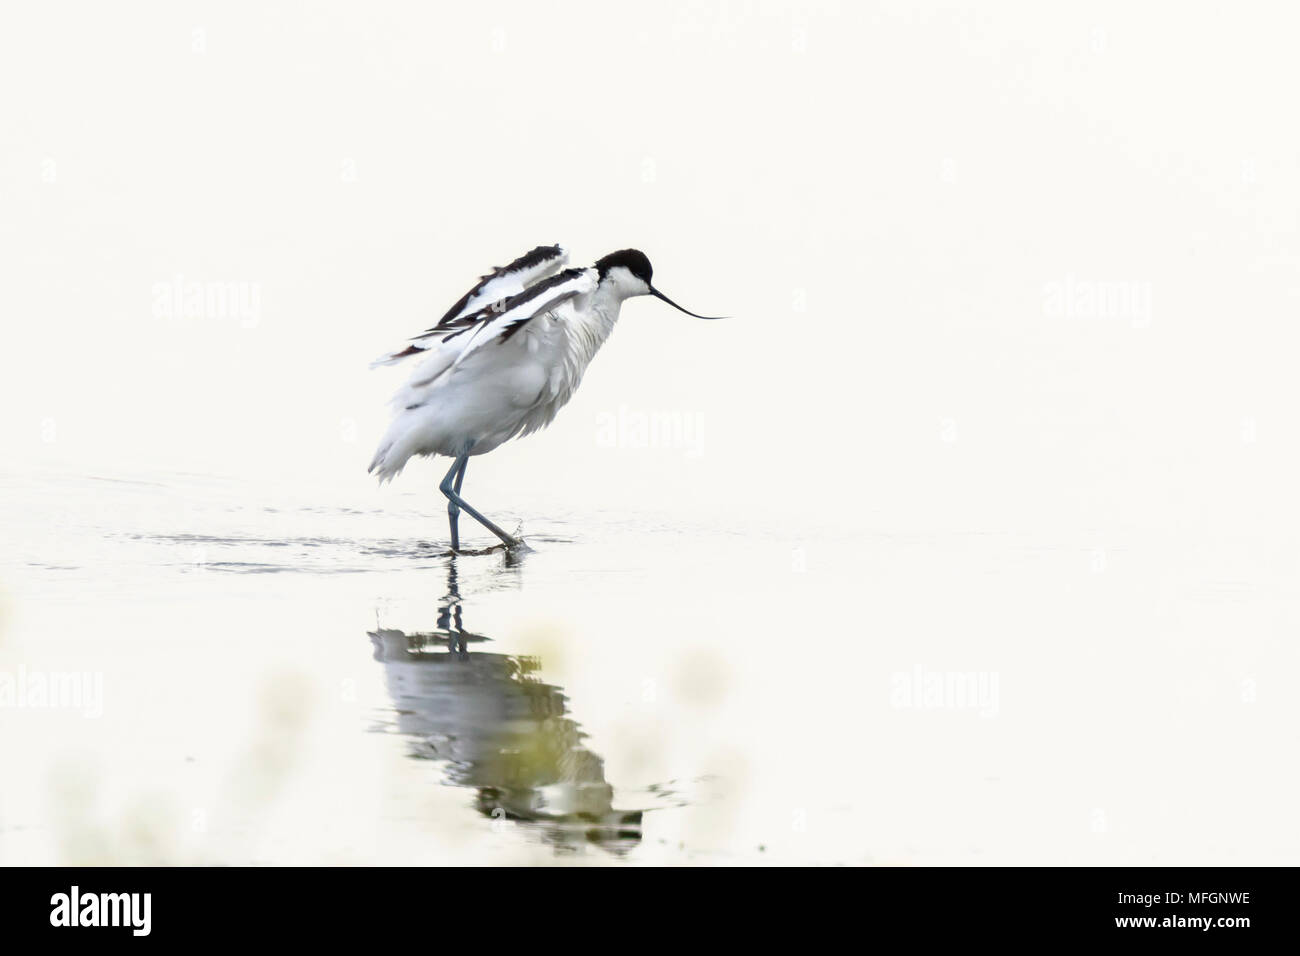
(503, 361)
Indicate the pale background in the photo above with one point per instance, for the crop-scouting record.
(904, 449)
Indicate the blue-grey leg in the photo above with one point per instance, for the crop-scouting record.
(453, 509)
(451, 488)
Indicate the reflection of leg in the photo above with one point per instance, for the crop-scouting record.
(451, 488)
(449, 610)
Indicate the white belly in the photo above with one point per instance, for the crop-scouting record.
(485, 405)
(497, 393)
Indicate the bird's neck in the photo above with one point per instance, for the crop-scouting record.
(597, 321)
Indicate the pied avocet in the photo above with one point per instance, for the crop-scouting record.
(503, 360)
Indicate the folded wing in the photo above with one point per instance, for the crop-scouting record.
(501, 320)
(493, 289)
(492, 326)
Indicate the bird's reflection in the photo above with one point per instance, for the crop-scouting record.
(501, 730)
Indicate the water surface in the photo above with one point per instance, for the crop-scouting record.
(285, 679)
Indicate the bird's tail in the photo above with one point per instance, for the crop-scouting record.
(379, 464)
(394, 451)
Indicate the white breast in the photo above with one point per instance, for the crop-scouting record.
(565, 343)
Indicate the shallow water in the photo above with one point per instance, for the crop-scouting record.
(270, 677)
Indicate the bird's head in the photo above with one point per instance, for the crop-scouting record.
(627, 273)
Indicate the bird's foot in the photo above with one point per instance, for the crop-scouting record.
(510, 543)
(478, 552)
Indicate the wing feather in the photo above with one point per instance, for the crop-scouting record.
(490, 325)
(495, 287)
(501, 320)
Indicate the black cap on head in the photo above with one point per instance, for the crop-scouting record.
(633, 260)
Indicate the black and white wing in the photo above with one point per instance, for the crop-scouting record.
(493, 289)
(501, 320)
(496, 325)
